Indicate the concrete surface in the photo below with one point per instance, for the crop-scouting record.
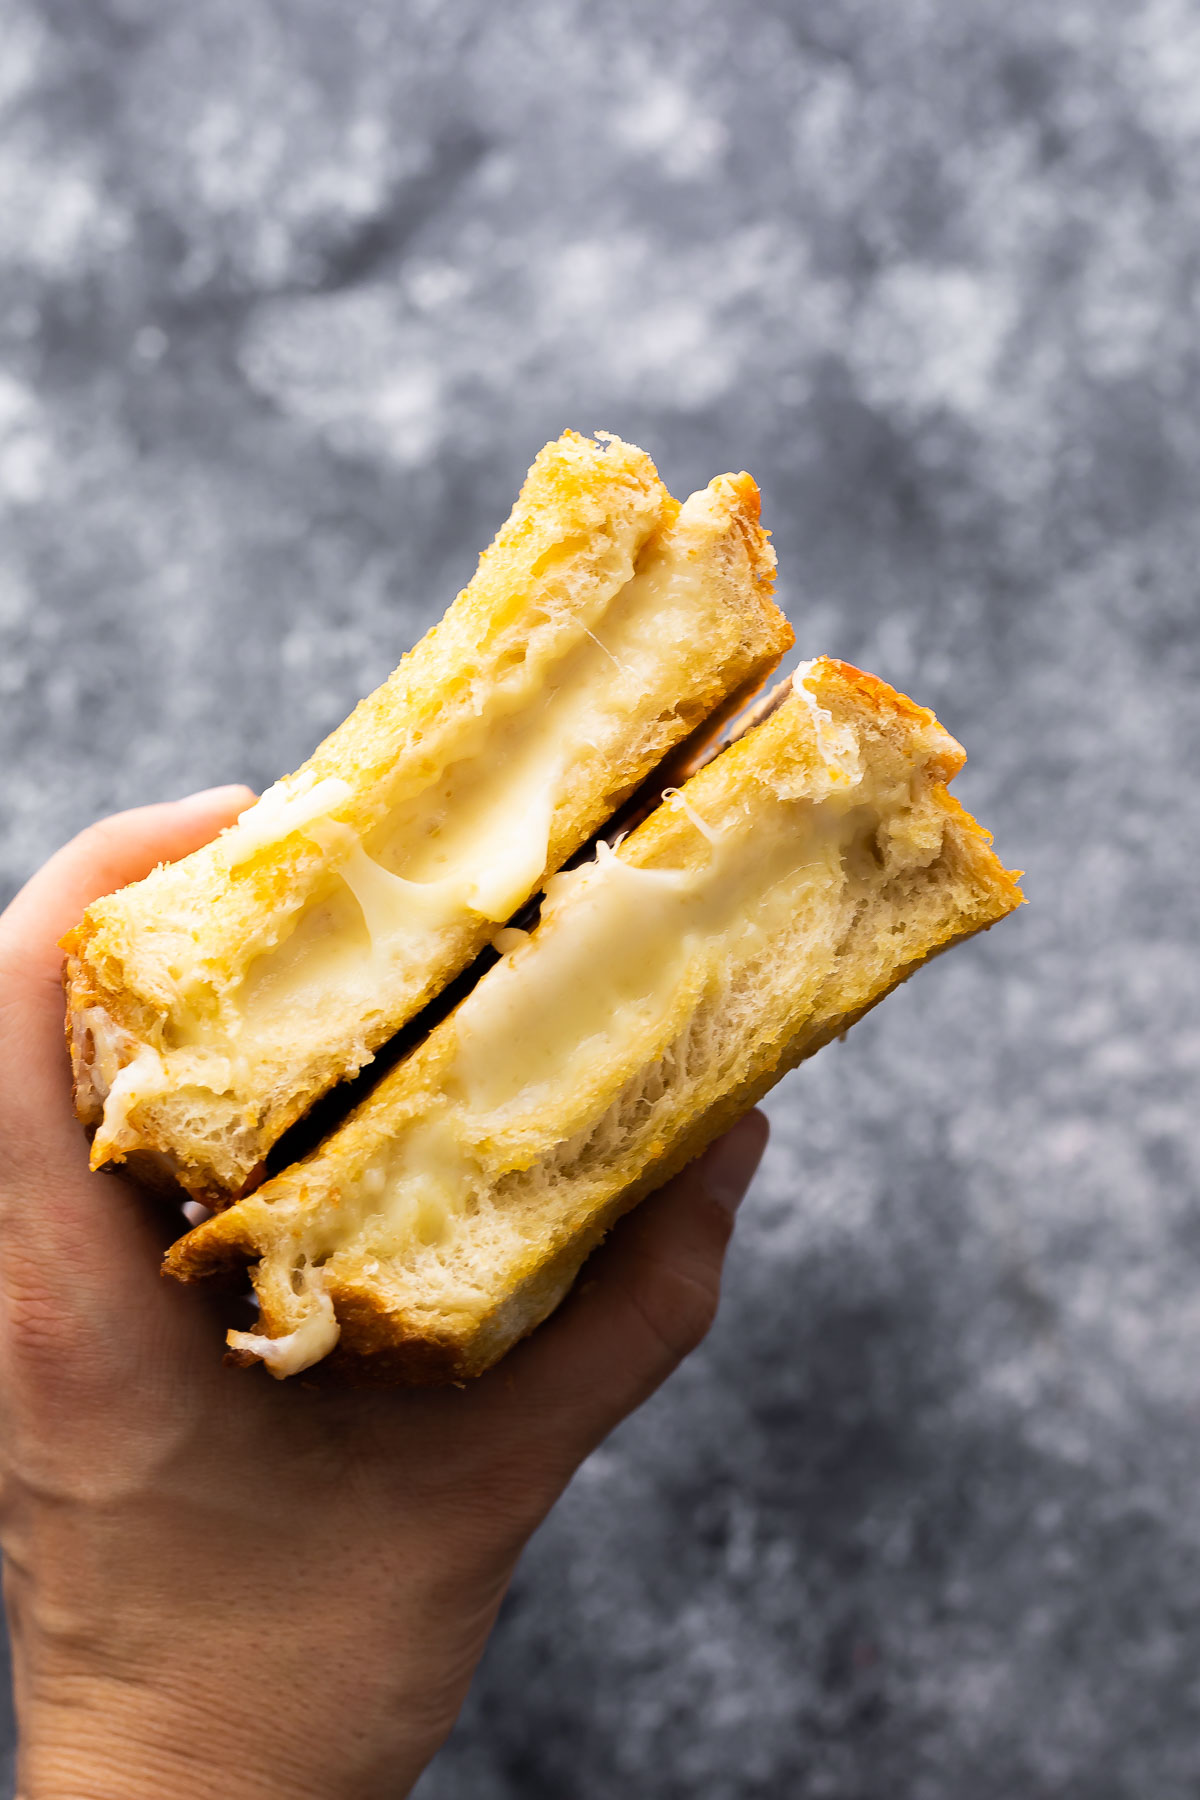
(291, 294)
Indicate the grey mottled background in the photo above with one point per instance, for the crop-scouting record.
(291, 294)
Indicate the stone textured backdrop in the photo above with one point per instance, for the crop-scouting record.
(292, 291)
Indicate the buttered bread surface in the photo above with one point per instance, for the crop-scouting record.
(210, 1005)
(757, 912)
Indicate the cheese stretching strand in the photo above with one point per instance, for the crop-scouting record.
(756, 914)
(211, 1004)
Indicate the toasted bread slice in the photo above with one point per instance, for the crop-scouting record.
(756, 914)
(211, 1004)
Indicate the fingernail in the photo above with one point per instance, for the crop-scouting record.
(727, 1167)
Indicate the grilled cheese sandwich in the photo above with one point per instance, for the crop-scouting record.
(763, 907)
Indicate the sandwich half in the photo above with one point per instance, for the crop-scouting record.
(210, 1005)
(755, 914)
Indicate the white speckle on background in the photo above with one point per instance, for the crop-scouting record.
(662, 119)
(930, 337)
(24, 446)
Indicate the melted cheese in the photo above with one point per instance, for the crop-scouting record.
(427, 1175)
(291, 805)
(475, 843)
(622, 957)
(141, 1079)
(110, 1046)
(675, 797)
(314, 1337)
(148, 1074)
(324, 954)
(121, 1086)
(837, 745)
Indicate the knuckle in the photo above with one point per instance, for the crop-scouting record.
(677, 1306)
(43, 1346)
(31, 1333)
(98, 840)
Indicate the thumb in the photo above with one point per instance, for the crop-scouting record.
(35, 1103)
(106, 856)
(647, 1299)
(60, 1216)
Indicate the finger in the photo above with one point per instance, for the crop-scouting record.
(645, 1301)
(48, 1188)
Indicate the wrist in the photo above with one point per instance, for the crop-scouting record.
(97, 1738)
(253, 1706)
(146, 1672)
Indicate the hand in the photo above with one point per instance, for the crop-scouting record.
(222, 1584)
